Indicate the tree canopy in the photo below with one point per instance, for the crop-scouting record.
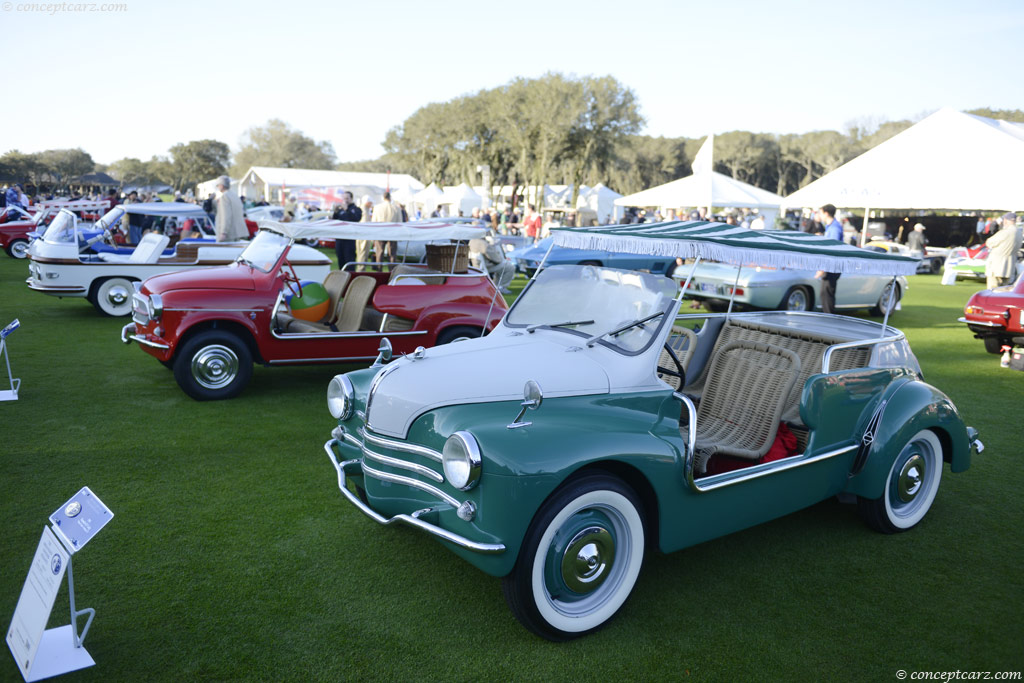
(278, 144)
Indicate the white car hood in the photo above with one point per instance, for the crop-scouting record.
(494, 368)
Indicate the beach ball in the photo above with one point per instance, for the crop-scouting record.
(312, 305)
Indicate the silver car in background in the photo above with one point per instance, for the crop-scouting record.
(784, 289)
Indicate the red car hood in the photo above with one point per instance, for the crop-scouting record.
(223, 277)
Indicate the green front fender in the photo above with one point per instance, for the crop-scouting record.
(623, 434)
(913, 406)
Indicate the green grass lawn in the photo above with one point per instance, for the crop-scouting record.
(232, 555)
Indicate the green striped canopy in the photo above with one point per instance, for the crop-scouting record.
(737, 246)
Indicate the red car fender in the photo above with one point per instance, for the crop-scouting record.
(437, 318)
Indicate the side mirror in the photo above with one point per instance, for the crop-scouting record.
(532, 398)
(384, 353)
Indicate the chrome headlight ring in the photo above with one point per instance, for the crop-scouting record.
(461, 460)
(340, 395)
(156, 306)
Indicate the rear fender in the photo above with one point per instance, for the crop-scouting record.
(909, 408)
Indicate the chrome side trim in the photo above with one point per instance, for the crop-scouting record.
(411, 483)
(402, 464)
(758, 471)
(411, 520)
(400, 445)
(298, 361)
(216, 310)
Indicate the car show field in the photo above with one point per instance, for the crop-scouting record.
(232, 556)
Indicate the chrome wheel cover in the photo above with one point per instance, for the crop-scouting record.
(214, 366)
(19, 249)
(797, 300)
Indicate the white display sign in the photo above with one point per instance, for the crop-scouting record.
(36, 601)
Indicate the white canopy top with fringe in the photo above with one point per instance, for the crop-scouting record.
(416, 231)
(736, 245)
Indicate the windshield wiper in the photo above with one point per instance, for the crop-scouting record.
(619, 330)
(570, 323)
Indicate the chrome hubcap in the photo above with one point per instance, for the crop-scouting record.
(214, 366)
(911, 476)
(117, 295)
(19, 250)
(797, 301)
(588, 559)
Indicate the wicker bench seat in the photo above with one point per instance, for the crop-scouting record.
(809, 348)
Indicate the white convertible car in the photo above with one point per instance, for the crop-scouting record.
(60, 265)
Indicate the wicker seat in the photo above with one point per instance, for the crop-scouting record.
(335, 283)
(682, 341)
(746, 390)
(350, 317)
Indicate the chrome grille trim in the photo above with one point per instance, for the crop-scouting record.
(412, 483)
(402, 464)
(140, 309)
(400, 445)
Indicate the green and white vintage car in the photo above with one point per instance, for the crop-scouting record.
(596, 423)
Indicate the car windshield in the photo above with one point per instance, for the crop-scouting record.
(264, 250)
(61, 228)
(589, 301)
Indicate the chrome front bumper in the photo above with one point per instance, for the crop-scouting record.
(979, 323)
(976, 445)
(128, 339)
(410, 519)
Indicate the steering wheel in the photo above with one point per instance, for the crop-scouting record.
(678, 372)
(290, 276)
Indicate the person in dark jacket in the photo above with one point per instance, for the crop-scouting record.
(345, 250)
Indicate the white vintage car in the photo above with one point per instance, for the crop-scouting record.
(60, 265)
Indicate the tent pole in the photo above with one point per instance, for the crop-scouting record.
(864, 228)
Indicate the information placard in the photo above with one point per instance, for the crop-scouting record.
(36, 601)
(80, 518)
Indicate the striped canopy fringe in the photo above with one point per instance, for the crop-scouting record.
(736, 245)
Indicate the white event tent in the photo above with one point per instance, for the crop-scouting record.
(428, 198)
(707, 188)
(461, 198)
(950, 160)
(601, 200)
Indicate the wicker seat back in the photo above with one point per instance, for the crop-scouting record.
(682, 341)
(739, 412)
(335, 283)
(809, 347)
(350, 317)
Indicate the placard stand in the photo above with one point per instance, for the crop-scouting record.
(57, 650)
(12, 393)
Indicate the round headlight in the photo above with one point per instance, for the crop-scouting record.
(339, 397)
(461, 460)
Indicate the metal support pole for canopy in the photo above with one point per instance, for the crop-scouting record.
(689, 278)
(732, 296)
(889, 304)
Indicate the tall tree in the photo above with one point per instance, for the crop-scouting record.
(63, 165)
(197, 161)
(17, 167)
(278, 144)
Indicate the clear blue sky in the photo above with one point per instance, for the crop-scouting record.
(134, 82)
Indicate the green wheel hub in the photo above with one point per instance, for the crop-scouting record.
(580, 557)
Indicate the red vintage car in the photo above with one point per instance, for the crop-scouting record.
(16, 223)
(211, 326)
(996, 316)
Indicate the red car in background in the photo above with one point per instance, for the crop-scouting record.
(210, 327)
(996, 316)
(16, 223)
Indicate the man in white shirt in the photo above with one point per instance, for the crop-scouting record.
(230, 223)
